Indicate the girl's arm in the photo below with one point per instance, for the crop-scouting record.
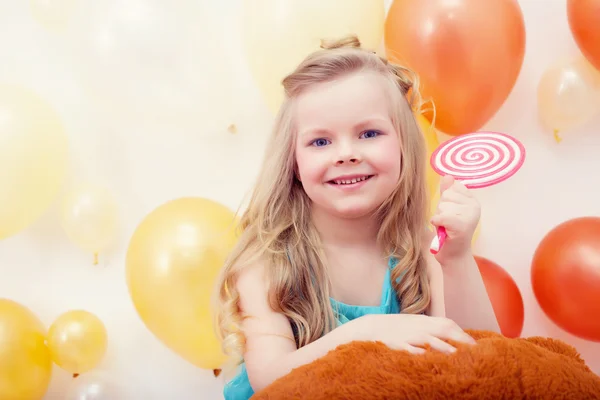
(466, 299)
(271, 352)
(458, 292)
(468, 303)
(437, 306)
(270, 347)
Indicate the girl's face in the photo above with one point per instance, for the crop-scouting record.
(347, 150)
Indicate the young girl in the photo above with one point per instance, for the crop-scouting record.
(335, 245)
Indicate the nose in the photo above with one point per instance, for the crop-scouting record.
(347, 154)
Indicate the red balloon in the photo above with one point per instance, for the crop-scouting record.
(504, 295)
(584, 21)
(565, 275)
(467, 53)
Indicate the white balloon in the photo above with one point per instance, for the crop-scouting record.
(153, 61)
(95, 385)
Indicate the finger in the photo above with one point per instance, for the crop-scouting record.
(450, 330)
(412, 349)
(437, 220)
(460, 187)
(446, 219)
(404, 346)
(450, 207)
(440, 345)
(460, 336)
(446, 182)
(455, 196)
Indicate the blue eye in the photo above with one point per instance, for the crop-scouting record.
(370, 134)
(319, 142)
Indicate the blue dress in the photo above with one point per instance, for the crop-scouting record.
(239, 387)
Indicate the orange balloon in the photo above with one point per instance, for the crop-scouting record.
(468, 54)
(565, 276)
(504, 295)
(584, 21)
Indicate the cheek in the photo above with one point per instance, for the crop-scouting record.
(310, 166)
(388, 161)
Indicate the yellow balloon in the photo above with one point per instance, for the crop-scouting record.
(432, 143)
(25, 363)
(172, 262)
(89, 217)
(77, 341)
(568, 95)
(279, 34)
(33, 158)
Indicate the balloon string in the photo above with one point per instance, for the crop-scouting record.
(556, 136)
(95, 258)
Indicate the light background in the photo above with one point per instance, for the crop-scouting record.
(146, 165)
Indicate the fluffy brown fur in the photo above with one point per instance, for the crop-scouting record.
(495, 368)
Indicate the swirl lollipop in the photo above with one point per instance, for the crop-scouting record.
(478, 160)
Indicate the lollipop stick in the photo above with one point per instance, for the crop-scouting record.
(438, 240)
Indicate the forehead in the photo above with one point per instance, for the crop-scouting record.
(343, 101)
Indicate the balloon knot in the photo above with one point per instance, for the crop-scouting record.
(216, 372)
(232, 128)
(75, 376)
(557, 138)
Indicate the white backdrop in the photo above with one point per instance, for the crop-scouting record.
(146, 165)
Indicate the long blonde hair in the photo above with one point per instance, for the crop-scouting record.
(276, 227)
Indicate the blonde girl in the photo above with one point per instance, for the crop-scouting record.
(334, 245)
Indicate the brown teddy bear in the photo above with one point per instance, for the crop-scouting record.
(495, 368)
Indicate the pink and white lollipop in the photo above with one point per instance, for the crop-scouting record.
(478, 160)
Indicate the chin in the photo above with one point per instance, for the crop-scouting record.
(353, 212)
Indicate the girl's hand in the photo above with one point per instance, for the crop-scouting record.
(458, 212)
(410, 332)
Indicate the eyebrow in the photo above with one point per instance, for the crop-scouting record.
(361, 125)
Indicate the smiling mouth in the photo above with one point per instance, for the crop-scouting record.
(352, 181)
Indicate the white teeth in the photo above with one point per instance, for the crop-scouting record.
(349, 181)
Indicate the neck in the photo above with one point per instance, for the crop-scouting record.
(337, 232)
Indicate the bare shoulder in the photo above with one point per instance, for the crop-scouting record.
(436, 278)
(252, 286)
